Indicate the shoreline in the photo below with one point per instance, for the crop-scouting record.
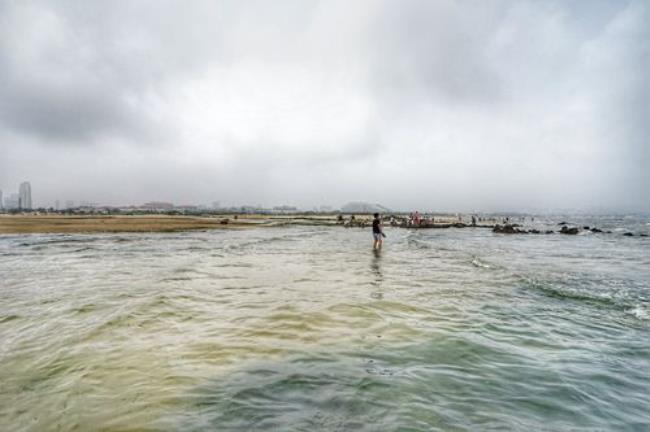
(73, 224)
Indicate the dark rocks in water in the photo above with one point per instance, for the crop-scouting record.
(643, 235)
(628, 234)
(508, 229)
(608, 232)
(596, 230)
(562, 223)
(534, 231)
(505, 229)
(567, 230)
(586, 227)
(550, 232)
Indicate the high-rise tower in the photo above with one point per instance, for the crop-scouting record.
(25, 195)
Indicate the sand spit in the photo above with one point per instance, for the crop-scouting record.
(24, 224)
(19, 224)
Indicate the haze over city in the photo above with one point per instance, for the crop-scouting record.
(450, 105)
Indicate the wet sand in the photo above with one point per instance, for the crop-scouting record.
(92, 224)
(25, 224)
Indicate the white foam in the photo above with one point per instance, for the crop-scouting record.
(477, 263)
(640, 312)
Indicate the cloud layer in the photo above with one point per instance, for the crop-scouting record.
(446, 105)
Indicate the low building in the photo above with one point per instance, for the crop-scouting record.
(12, 202)
(158, 205)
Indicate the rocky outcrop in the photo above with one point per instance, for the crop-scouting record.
(508, 229)
(505, 229)
(571, 231)
(514, 229)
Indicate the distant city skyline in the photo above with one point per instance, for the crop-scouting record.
(23, 200)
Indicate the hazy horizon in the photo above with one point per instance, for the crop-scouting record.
(448, 105)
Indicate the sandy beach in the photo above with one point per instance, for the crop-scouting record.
(52, 223)
(18, 224)
(93, 224)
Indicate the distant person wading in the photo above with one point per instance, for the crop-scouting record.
(377, 232)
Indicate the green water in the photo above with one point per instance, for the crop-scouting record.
(303, 329)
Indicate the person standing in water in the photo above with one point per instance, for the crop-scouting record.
(377, 232)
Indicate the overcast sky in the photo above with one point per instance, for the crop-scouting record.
(433, 104)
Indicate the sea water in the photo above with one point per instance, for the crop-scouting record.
(308, 329)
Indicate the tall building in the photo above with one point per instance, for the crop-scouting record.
(25, 196)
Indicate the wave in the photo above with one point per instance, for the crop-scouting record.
(551, 289)
(640, 311)
(8, 318)
(631, 305)
(290, 237)
(477, 262)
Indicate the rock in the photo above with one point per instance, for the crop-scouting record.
(550, 232)
(643, 235)
(567, 230)
(508, 229)
(224, 221)
(596, 230)
(562, 223)
(628, 234)
(586, 227)
(505, 229)
(534, 231)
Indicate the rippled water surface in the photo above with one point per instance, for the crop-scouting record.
(307, 329)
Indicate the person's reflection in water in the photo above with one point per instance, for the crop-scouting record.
(375, 268)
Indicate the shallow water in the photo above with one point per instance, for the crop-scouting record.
(308, 329)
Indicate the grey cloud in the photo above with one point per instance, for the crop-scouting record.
(446, 104)
(437, 50)
(64, 114)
